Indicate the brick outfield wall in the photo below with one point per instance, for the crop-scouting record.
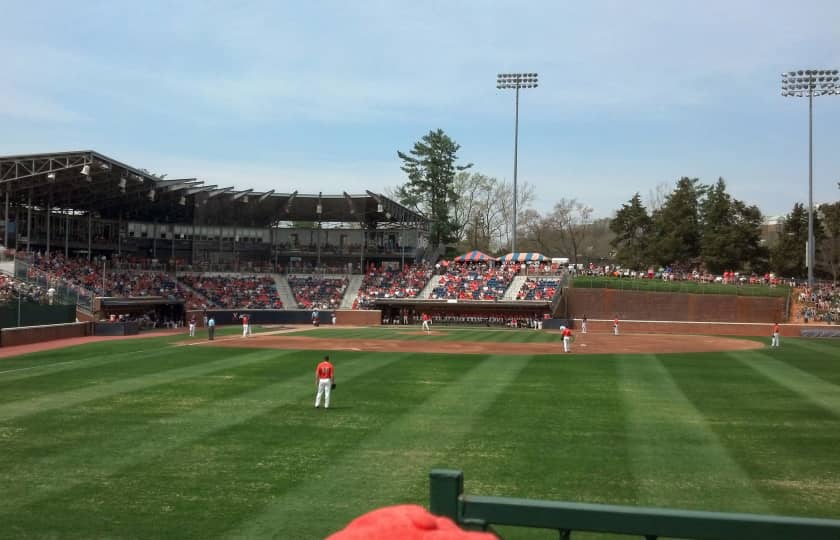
(689, 327)
(26, 335)
(657, 306)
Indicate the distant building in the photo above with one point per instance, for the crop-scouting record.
(771, 228)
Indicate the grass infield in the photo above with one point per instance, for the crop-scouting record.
(147, 439)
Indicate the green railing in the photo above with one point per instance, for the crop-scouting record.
(693, 287)
(447, 499)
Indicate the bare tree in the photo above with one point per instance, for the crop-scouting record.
(573, 221)
(658, 195)
(471, 189)
(525, 196)
(540, 233)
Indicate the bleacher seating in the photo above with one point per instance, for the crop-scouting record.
(473, 282)
(122, 278)
(387, 282)
(538, 289)
(820, 304)
(11, 289)
(315, 291)
(232, 292)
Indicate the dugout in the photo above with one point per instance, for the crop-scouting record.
(345, 317)
(146, 312)
(467, 312)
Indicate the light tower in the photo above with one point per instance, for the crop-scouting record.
(810, 83)
(516, 81)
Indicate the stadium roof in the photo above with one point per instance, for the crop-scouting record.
(87, 181)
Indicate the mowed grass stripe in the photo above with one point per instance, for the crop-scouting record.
(69, 398)
(819, 357)
(678, 460)
(810, 387)
(560, 425)
(392, 465)
(91, 370)
(36, 479)
(60, 360)
(782, 440)
(39, 436)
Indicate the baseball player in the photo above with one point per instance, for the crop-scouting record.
(583, 325)
(426, 322)
(192, 326)
(775, 341)
(615, 326)
(246, 325)
(567, 339)
(324, 381)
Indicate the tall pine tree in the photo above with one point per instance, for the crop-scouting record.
(731, 232)
(430, 166)
(788, 255)
(676, 226)
(632, 227)
(828, 258)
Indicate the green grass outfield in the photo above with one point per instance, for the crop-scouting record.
(146, 439)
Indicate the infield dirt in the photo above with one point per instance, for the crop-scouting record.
(583, 344)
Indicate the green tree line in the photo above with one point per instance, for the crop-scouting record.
(693, 226)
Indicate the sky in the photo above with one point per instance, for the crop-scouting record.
(319, 96)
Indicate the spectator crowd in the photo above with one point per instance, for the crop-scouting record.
(318, 292)
(388, 282)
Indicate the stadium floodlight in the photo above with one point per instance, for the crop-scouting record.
(51, 177)
(507, 81)
(183, 201)
(86, 170)
(152, 194)
(810, 83)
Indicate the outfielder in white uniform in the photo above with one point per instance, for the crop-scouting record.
(192, 327)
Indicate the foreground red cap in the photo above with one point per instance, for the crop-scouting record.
(405, 522)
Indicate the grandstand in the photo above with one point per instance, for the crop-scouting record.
(103, 228)
(120, 241)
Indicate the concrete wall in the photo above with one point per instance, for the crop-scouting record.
(656, 306)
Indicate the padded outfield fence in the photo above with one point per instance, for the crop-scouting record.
(447, 498)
